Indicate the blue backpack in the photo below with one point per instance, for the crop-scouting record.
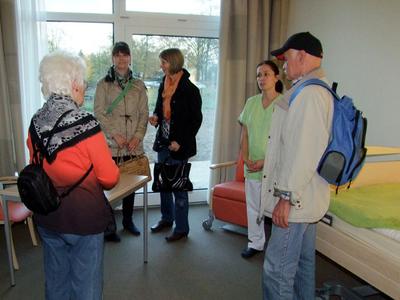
(345, 153)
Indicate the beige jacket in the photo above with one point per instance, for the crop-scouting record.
(134, 106)
(298, 137)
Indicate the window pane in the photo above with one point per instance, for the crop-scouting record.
(190, 7)
(79, 6)
(93, 41)
(201, 60)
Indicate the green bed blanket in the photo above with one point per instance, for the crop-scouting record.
(373, 206)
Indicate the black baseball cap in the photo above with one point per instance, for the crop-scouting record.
(121, 47)
(300, 41)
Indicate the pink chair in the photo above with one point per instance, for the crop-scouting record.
(17, 212)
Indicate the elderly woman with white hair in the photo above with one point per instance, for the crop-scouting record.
(72, 235)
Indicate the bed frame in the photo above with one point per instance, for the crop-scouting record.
(380, 268)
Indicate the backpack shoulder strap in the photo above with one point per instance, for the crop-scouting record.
(69, 190)
(312, 81)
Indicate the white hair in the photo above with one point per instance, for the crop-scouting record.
(58, 70)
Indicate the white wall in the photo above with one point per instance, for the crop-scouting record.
(361, 43)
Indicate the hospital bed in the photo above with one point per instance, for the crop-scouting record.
(371, 254)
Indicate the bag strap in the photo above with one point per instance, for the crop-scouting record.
(119, 97)
(65, 193)
(313, 81)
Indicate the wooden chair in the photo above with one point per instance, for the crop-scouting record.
(228, 199)
(17, 212)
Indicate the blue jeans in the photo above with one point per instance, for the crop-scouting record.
(178, 211)
(73, 265)
(289, 264)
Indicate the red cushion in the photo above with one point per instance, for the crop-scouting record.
(230, 211)
(233, 190)
(17, 212)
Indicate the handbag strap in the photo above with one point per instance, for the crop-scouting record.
(119, 97)
(120, 160)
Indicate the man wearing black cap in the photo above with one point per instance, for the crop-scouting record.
(293, 193)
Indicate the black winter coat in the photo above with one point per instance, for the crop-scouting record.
(186, 118)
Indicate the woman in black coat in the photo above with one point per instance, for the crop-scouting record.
(178, 117)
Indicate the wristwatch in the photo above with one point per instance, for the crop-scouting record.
(287, 196)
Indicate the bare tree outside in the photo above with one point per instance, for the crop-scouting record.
(201, 60)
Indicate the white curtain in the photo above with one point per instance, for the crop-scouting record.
(10, 106)
(32, 46)
(7, 159)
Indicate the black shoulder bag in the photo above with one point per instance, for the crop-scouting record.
(172, 177)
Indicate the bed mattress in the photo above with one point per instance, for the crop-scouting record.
(384, 240)
(390, 233)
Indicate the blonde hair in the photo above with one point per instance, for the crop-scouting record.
(58, 70)
(175, 58)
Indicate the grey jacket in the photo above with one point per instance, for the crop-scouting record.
(130, 116)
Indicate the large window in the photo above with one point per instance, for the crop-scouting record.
(93, 43)
(201, 58)
(91, 27)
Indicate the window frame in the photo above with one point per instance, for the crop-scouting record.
(144, 22)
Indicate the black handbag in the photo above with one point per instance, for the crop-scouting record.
(172, 177)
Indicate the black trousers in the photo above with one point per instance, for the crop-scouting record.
(129, 201)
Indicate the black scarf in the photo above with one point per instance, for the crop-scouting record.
(112, 75)
(74, 127)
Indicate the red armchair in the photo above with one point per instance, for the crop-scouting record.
(228, 200)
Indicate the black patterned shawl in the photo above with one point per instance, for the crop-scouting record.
(74, 127)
